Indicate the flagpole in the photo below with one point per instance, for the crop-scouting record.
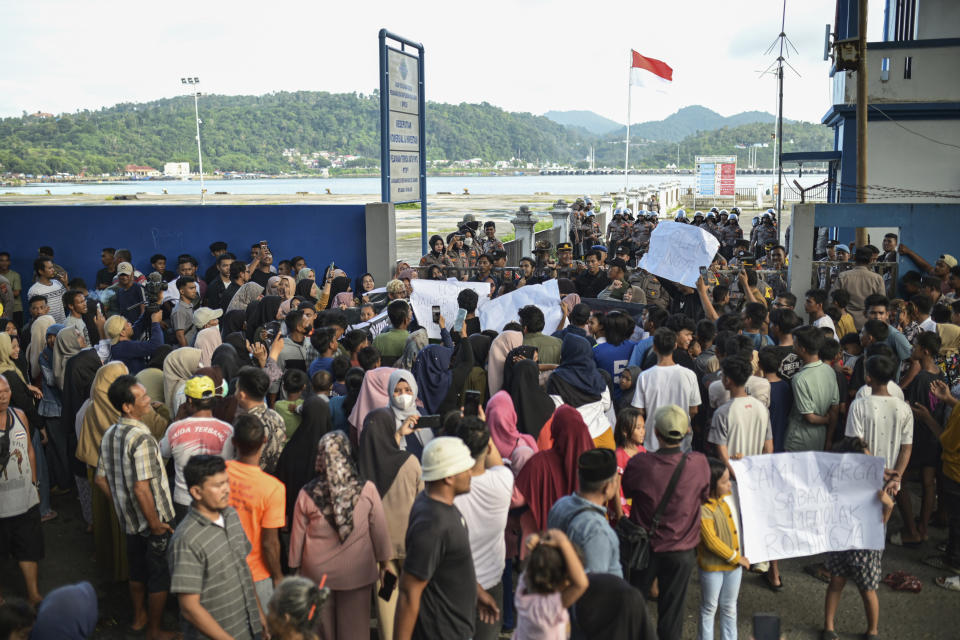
(626, 156)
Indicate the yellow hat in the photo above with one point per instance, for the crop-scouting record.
(114, 327)
(199, 387)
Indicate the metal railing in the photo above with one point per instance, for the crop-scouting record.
(824, 274)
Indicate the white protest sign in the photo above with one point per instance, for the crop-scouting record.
(442, 293)
(806, 503)
(677, 251)
(375, 325)
(503, 309)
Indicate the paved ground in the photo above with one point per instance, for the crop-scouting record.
(931, 614)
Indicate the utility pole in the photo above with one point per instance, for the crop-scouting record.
(861, 232)
(194, 84)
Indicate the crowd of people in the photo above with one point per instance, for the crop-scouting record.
(253, 442)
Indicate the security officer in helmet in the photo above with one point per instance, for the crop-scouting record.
(766, 234)
(729, 234)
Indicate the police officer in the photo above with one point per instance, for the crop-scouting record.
(710, 225)
(460, 255)
(615, 228)
(680, 216)
(589, 232)
(651, 287)
(567, 267)
(766, 234)
(729, 234)
(640, 234)
(698, 219)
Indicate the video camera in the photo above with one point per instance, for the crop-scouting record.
(154, 287)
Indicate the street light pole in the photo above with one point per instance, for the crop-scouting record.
(194, 83)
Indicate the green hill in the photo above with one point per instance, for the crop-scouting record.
(250, 133)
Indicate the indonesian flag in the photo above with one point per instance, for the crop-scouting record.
(639, 64)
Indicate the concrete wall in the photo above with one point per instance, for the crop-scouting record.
(938, 19)
(899, 158)
(320, 233)
(934, 74)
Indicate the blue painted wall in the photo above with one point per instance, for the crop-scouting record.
(320, 233)
(929, 229)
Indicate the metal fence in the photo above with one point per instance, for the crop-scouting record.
(824, 274)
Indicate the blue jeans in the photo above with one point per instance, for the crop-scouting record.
(718, 595)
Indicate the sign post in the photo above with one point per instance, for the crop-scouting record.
(403, 147)
(716, 177)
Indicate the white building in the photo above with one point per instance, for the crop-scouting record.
(176, 169)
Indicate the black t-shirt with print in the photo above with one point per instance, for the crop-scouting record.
(438, 551)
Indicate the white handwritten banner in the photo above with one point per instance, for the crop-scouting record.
(442, 293)
(803, 504)
(677, 251)
(501, 310)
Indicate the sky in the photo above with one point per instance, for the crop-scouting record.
(521, 55)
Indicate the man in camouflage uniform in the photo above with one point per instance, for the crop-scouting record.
(567, 267)
(545, 266)
(460, 255)
(729, 234)
(589, 232)
(490, 243)
(640, 233)
(618, 227)
(766, 235)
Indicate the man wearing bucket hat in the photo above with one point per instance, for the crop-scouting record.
(674, 540)
(439, 595)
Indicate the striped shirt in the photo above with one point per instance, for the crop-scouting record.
(129, 454)
(53, 292)
(209, 558)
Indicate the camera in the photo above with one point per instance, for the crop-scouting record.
(154, 288)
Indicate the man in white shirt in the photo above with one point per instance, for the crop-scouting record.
(883, 420)
(741, 426)
(485, 510)
(666, 383)
(813, 305)
(47, 286)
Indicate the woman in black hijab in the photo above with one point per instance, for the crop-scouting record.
(232, 321)
(250, 320)
(532, 404)
(340, 284)
(265, 311)
(305, 289)
(226, 357)
(297, 464)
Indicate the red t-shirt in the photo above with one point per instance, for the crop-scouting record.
(622, 458)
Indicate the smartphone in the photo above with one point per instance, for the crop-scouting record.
(99, 310)
(387, 587)
(703, 272)
(766, 626)
(436, 314)
(429, 422)
(458, 323)
(471, 403)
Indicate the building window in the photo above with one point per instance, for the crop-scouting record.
(907, 67)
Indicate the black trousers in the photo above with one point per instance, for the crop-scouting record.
(951, 496)
(672, 569)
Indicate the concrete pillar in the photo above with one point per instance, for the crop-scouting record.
(606, 205)
(561, 220)
(523, 224)
(800, 272)
(381, 237)
(760, 189)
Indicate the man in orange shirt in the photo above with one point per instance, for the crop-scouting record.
(260, 501)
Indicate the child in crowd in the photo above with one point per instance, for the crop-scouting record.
(852, 351)
(719, 558)
(553, 580)
(862, 565)
(294, 382)
(628, 433)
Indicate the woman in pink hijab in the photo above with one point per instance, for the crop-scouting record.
(373, 395)
(499, 348)
(502, 421)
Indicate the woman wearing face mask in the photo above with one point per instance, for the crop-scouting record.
(395, 472)
(402, 393)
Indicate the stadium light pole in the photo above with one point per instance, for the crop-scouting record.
(194, 84)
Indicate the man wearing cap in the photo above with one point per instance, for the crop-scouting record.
(199, 434)
(182, 315)
(859, 282)
(439, 593)
(126, 345)
(673, 542)
(940, 268)
(567, 267)
(583, 514)
(130, 299)
(617, 273)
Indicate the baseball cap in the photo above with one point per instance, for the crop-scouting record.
(114, 327)
(199, 387)
(597, 465)
(204, 315)
(842, 247)
(564, 246)
(617, 262)
(671, 421)
(623, 249)
(125, 268)
(949, 260)
(444, 457)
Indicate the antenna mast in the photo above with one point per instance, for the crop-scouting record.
(783, 45)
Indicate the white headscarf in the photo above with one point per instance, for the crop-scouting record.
(399, 413)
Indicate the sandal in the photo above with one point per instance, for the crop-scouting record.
(897, 539)
(950, 583)
(776, 588)
(903, 581)
(940, 562)
(829, 635)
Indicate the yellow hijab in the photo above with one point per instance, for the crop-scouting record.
(6, 353)
(949, 338)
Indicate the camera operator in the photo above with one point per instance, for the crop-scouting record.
(125, 343)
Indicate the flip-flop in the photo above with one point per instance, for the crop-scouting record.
(939, 562)
(950, 583)
(776, 588)
(817, 571)
(829, 635)
(897, 540)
